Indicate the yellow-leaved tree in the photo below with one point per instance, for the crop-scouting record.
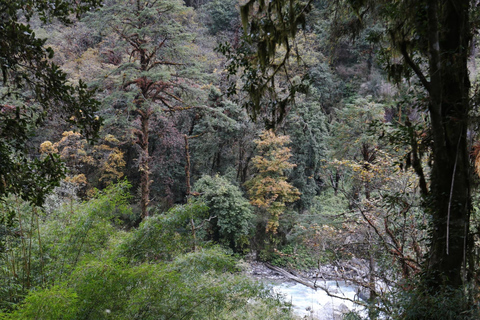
(101, 164)
(269, 189)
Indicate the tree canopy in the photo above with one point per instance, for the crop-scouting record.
(32, 88)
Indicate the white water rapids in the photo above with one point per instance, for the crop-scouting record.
(311, 304)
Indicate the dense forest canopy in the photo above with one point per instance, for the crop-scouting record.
(436, 53)
(149, 148)
(32, 89)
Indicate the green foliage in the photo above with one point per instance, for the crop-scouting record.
(360, 161)
(76, 231)
(232, 212)
(411, 301)
(326, 88)
(33, 88)
(159, 82)
(46, 9)
(84, 267)
(222, 15)
(446, 304)
(315, 236)
(155, 37)
(272, 25)
(56, 302)
(163, 236)
(354, 128)
(327, 204)
(151, 72)
(213, 259)
(262, 56)
(224, 138)
(30, 179)
(308, 130)
(194, 286)
(294, 256)
(16, 243)
(259, 308)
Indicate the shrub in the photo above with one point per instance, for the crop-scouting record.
(54, 303)
(198, 285)
(163, 236)
(232, 224)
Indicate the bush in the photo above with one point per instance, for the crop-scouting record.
(89, 269)
(445, 304)
(198, 285)
(292, 256)
(40, 248)
(233, 223)
(163, 236)
(79, 231)
(53, 303)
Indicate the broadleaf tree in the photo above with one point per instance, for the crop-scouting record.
(427, 41)
(32, 87)
(269, 189)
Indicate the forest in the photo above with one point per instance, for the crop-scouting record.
(152, 151)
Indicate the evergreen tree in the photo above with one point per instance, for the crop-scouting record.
(231, 214)
(306, 125)
(157, 76)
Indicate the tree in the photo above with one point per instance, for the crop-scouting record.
(307, 127)
(269, 189)
(231, 211)
(31, 89)
(428, 40)
(221, 15)
(353, 139)
(88, 166)
(156, 77)
(225, 139)
(436, 51)
(265, 66)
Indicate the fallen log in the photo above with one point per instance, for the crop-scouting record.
(290, 276)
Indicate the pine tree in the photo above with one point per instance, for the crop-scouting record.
(156, 74)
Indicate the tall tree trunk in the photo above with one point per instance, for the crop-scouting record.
(372, 313)
(449, 200)
(144, 165)
(187, 167)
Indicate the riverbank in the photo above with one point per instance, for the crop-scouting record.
(355, 271)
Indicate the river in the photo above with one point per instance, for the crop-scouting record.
(317, 304)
